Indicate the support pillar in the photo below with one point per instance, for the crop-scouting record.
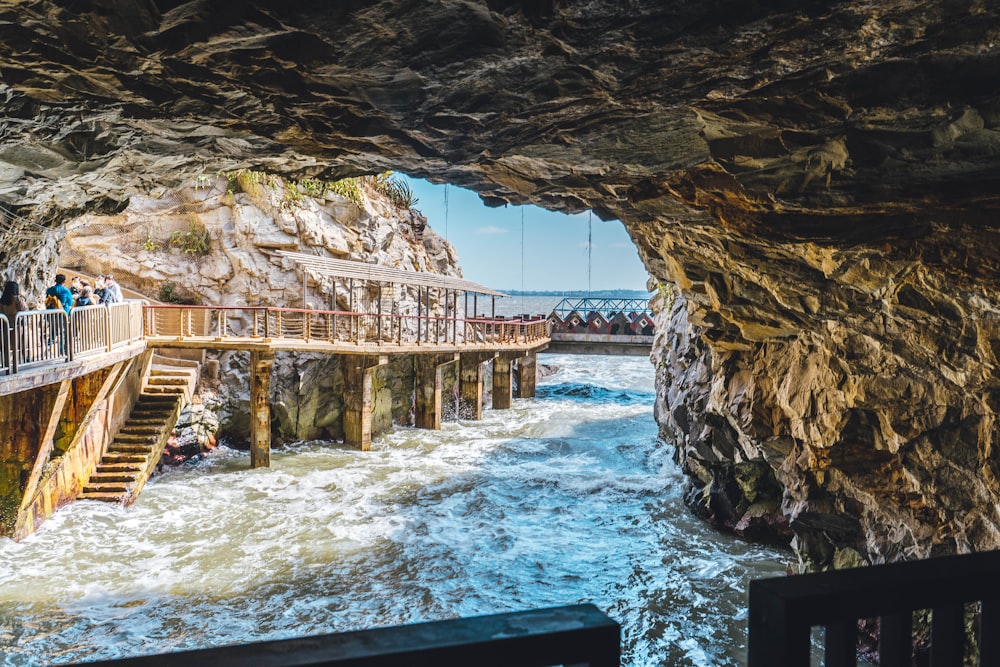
(427, 388)
(358, 399)
(261, 363)
(527, 376)
(470, 383)
(502, 382)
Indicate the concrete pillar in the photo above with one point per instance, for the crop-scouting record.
(358, 399)
(29, 421)
(261, 362)
(470, 383)
(502, 384)
(427, 388)
(527, 375)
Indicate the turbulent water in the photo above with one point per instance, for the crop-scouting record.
(566, 498)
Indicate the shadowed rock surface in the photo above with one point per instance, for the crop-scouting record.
(820, 180)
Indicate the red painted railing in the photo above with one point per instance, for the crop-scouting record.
(259, 323)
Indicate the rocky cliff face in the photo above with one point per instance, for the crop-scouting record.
(820, 180)
(214, 243)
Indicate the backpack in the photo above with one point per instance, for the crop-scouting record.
(52, 302)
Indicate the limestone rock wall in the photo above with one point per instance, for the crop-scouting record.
(858, 412)
(150, 247)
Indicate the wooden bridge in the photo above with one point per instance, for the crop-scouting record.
(88, 400)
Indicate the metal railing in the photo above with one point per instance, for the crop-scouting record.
(302, 325)
(784, 611)
(576, 635)
(605, 307)
(43, 337)
(5, 351)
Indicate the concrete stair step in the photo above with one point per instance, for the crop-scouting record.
(123, 458)
(142, 439)
(167, 380)
(145, 422)
(130, 448)
(164, 390)
(101, 477)
(108, 497)
(146, 399)
(143, 427)
(106, 487)
(119, 468)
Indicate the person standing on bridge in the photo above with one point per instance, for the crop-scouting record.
(112, 292)
(12, 303)
(58, 296)
(61, 292)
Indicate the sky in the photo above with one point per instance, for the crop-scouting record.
(554, 257)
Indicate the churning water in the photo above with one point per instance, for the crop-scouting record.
(566, 498)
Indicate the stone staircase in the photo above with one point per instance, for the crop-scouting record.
(135, 450)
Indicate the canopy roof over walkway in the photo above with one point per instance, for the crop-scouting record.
(343, 268)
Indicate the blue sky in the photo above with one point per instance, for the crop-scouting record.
(488, 241)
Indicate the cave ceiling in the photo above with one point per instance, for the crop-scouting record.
(839, 123)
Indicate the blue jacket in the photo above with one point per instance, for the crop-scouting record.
(65, 296)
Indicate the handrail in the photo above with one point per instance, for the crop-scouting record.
(5, 358)
(574, 635)
(262, 323)
(43, 337)
(784, 610)
(40, 337)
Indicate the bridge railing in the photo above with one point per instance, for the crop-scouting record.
(42, 337)
(267, 324)
(5, 351)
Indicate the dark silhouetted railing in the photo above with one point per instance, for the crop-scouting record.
(784, 610)
(576, 635)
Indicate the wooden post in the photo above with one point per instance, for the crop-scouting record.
(470, 381)
(427, 388)
(502, 385)
(527, 368)
(358, 384)
(261, 362)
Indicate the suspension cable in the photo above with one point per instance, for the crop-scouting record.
(590, 247)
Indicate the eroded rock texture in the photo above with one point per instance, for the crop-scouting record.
(819, 179)
(215, 242)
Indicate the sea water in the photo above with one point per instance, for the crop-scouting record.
(566, 498)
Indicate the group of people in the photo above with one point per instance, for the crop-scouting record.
(104, 291)
(79, 293)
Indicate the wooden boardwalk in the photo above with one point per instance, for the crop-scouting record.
(336, 332)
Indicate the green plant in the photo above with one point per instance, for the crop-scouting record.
(395, 190)
(195, 241)
(169, 293)
(293, 193)
(312, 187)
(247, 180)
(401, 194)
(150, 244)
(349, 188)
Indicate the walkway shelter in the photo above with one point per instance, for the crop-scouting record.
(442, 302)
